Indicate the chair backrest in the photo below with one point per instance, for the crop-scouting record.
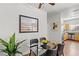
(34, 47)
(60, 49)
(33, 41)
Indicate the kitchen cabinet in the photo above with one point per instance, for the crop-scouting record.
(77, 36)
(65, 36)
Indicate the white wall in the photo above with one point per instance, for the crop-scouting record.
(9, 22)
(54, 35)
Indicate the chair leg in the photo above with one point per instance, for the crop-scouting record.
(63, 54)
(32, 53)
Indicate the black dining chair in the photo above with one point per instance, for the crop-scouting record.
(34, 47)
(60, 50)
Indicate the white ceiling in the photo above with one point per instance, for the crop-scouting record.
(57, 7)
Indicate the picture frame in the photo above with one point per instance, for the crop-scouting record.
(28, 24)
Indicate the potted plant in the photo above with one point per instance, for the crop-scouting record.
(44, 43)
(11, 47)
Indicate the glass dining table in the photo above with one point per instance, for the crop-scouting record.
(47, 51)
(42, 51)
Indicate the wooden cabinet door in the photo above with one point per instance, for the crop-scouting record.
(77, 36)
(65, 36)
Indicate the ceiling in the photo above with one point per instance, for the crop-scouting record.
(57, 7)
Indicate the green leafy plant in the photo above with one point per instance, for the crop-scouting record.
(11, 47)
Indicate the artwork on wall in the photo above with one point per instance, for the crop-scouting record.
(55, 25)
(28, 24)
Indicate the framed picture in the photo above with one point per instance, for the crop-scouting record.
(28, 24)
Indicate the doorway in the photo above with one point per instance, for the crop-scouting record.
(71, 37)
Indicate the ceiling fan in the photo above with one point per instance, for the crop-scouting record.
(40, 5)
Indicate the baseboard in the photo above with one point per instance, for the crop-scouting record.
(72, 40)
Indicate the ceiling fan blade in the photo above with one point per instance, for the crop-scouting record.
(40, 5)
(52, 4)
